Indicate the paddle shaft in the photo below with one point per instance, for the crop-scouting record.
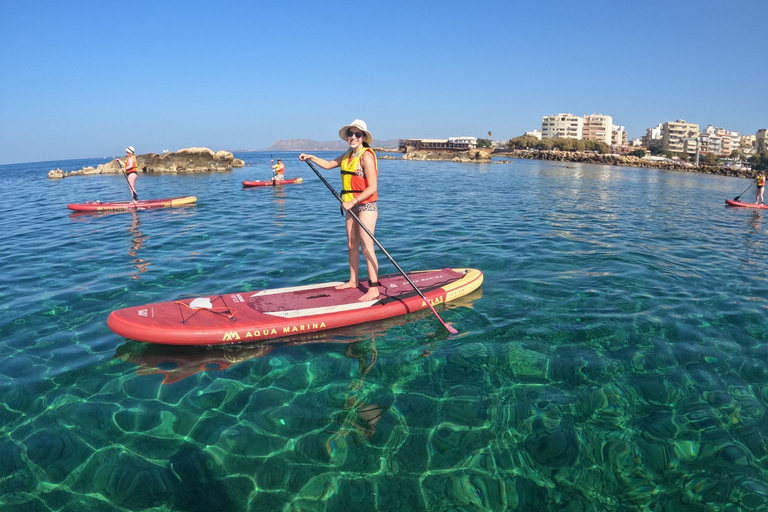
(357, 219)
(738, 196)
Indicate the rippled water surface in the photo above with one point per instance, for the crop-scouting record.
(615, 358)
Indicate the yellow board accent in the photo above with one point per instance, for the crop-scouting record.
(183, 200)
(467, 284)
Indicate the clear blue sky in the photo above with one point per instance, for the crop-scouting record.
(83, 79)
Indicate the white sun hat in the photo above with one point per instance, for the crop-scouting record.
(130, 150)
(360, 125)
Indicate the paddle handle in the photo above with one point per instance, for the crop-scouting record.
(354, 216)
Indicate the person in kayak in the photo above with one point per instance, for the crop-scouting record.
(759, 187)
(130, 169)
(359, 175)
(278, 171)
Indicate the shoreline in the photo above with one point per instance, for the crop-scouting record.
(620, 160)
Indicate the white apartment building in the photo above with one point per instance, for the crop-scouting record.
(619, 136)
(652, 136)
(598, 128)
(562, 126)
(534, 133)
(674, 133)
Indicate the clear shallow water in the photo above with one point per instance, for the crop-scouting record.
(615, 359)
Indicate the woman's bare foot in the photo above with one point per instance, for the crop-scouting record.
(371, 294)
(348, 284)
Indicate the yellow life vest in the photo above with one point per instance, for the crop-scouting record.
(760, 180)
(352, 184)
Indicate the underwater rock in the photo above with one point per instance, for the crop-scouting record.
(464, 490)
(125, 479)
(552, 448)
(57, 451)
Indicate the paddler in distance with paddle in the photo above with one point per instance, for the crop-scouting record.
(359, 174)
(759, 187)
(278, 171)
(131, 170)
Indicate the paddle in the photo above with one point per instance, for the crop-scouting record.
(135, 197)
(337, 196)
(272, 167)
(738, 196)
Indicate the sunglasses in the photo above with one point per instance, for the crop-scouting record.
(359, 135)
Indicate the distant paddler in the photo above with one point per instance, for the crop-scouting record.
(278, 170)
(760, 187)
(131, 170)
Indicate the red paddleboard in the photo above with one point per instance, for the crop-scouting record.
(98, 206)
(271, 183)
(731, 202)
(246, 317)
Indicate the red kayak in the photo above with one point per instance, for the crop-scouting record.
(731, 202)
(271, 183)
(245, 317)
(98, 206)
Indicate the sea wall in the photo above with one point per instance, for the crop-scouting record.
(623, 160)
(190, 160)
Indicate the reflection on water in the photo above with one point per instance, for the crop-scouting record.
(137, 240)
(356, 416)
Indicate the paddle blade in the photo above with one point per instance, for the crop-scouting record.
(449, 328)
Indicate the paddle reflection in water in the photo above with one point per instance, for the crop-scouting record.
(278, 199)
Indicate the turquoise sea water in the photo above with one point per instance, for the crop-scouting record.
(615, 359)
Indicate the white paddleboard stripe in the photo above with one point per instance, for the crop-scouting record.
(296, 288)
(295, 313)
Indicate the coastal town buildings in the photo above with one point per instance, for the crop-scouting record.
(451, 143)
(598, 128)
(562, 126)
(674, 133)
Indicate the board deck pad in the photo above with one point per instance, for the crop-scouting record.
(243, 317)
(99, 206)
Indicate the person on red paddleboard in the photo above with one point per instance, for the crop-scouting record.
(130, 169)
(760, 187)
(278, 171)
(359, 174)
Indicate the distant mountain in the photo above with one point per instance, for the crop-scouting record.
(313, 145)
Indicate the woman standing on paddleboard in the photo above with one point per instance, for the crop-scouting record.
(130, 169)
(759, 187)
(359, 174)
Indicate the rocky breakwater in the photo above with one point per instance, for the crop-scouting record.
(472, 155)
(625, 160)
(188, 160)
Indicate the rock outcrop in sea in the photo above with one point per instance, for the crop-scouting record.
(471, 155)
(189, 160)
